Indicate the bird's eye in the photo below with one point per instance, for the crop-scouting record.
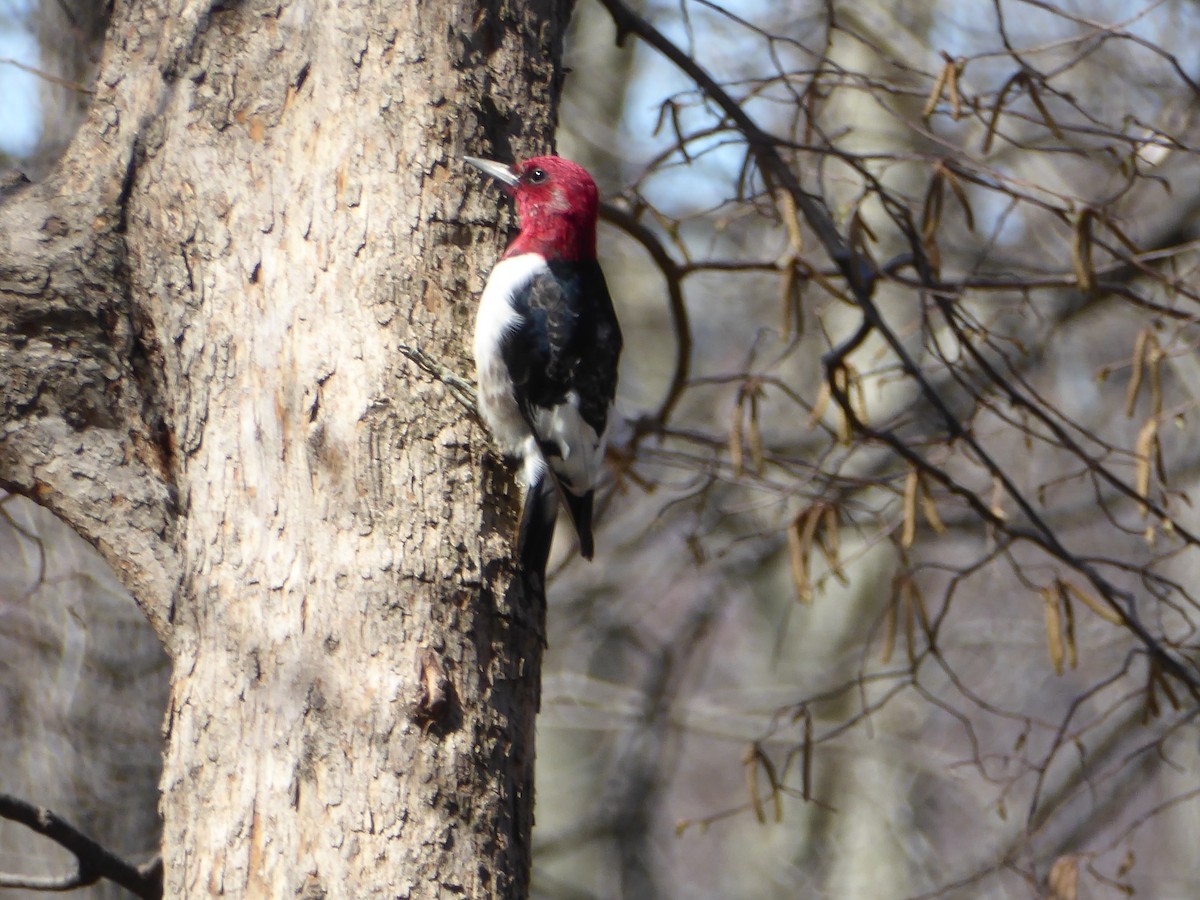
(537, 176)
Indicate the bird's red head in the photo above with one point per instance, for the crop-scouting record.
(557, 204)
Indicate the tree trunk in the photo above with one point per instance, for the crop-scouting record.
(203, 313)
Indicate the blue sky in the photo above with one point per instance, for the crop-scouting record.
(20, 119)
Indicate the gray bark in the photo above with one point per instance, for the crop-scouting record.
(202, 315)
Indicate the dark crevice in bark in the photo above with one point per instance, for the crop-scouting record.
(500, 128)
(144, 350)
(60, 328)
(127, 181)
(186, 52)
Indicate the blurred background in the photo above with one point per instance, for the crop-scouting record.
(910, 616)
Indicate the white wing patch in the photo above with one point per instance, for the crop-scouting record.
(581, 449)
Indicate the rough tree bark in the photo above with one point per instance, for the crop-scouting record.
(202, 316)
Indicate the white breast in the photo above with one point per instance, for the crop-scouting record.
(495, 317)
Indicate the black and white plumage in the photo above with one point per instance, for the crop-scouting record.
(547, 344)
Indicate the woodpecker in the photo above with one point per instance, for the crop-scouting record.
(547, 343)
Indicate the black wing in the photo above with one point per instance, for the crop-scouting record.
(567, 340)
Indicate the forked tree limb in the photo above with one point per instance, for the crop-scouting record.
(93, 861)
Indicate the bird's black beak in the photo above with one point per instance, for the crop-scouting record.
(499, 171)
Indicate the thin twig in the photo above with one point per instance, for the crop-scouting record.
(53, 79)
(461, 389)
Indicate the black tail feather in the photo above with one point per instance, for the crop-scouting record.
(580, 509)
(537, 531)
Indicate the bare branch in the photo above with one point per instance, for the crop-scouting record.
(53, 79)
(94, 862)
(673, 274)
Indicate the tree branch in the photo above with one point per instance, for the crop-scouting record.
(93, 862)
(861, 276)
(53, 79)
(673, 274)
(80, 428)
(84, 426)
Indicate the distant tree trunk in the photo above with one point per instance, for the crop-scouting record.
(203, 313)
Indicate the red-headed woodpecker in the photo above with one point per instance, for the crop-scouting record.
(546, 349)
